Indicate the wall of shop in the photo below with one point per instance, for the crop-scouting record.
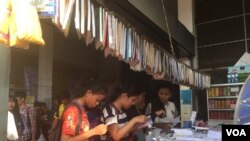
(223, 34)
(21, 58)
(221, 31)
(153, 10)
(186, 14)
(74, 51)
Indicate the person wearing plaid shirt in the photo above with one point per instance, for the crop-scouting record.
(28, 115)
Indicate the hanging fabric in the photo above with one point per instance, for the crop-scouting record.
(118, 39)
(83, 16)
(105, 29)
(93, 25)
(5, 12)
(26, 21)
(124, 42)
(78, 17)
(68, 17)
(99, 30)
(90, 23)
(56, 19)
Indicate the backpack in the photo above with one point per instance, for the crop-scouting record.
(58, 133)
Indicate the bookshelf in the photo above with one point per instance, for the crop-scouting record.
(221, 100)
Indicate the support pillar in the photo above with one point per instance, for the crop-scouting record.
(4, 89)
(45, 68)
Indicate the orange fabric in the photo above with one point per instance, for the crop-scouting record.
(70, 121)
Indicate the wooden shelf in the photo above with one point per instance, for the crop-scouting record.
(221, 112)
(222, 97)
(226, 84)
(221, 109)
(221, 120)
(214, 122)
(18, 88)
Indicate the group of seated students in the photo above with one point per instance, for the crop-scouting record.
(120, 114)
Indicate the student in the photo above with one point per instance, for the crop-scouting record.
(65, 100)
(28, 115)
(138, 108)
(163, 110)
(91, 96)
(14, 109)
(139, 105)
(119, 127)
(43, 123)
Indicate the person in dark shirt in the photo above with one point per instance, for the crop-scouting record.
(139, 105)
(14, 109)
(119, 126)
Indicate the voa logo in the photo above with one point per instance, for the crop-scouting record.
(236, 132)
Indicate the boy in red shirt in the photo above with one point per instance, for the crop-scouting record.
(72, 130)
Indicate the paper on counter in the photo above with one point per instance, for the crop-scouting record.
(182, 132)
(175, 121)
(214, 134)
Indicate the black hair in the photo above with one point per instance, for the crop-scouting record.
(13, 98)
(130, 89)
(65, 95)
(139, 88)
(37, 104)
(164, 86)
(16, 113)
(154, 98)
(21, 94)
(95, 86)
(43, 104)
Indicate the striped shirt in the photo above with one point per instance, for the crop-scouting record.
(111, 115)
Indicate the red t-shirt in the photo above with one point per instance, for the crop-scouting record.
(70, 120)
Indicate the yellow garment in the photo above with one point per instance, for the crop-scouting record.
(5, 9)
(27, 22)
(60, 112)
(61, 109)
(14, 40)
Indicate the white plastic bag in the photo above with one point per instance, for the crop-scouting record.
(11, 128)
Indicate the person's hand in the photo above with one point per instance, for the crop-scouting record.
(140, 119)
(160, 113)
(100, 129)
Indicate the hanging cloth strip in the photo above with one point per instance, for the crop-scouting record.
(56, 19)
(83, 16)
(114, 23)
(77, 18)
(118, 42)
(121, 40)
(89, 38)
(101, 23)
(93, 25)
(105, 29)
(68, 17)
(128, 45)
(98, 38)
(62, 10)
